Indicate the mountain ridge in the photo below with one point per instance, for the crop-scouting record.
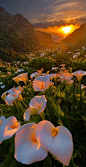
(44, 39)
(77, 38)
(16, 32)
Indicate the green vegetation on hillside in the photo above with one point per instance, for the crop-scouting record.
(16, 33)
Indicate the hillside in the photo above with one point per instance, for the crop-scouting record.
(16, 33)
(77, 38)
(44, 39)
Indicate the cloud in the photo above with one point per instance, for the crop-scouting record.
(48, 13)
(60, 23)
(37, 11)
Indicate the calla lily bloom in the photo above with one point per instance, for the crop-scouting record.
(13, 94)
(75, 56)
(19, 70)
(41, 83)
(55, 68)
(56, 140)
(8, 92)
(79, 74)
(36, 74)
(27, 149)
(40, 71)
(65, 76)
(69, 81)
(51, 83)
(39, 103)
(43, 74)
(62, 65)
(37, 106)
(2, 119)
(83, 86)
(53, 75)
(1, 83)
(33, 75)
(21, 77)
(8, 128)
(3, 86)
(26, 62)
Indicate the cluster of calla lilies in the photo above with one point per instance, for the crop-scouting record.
(34, 141)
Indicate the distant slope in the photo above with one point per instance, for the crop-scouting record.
(16, 32)
(78, 37)
(44, 39)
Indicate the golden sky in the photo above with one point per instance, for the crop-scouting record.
(58, 33)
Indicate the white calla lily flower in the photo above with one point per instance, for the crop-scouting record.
(13, 94)
(83, 86)
(21, 77)
(33, 75)
(27, 149)
(8, 128)
(56, 140)
(79, 74)
(39, 103)
(37, 106)
(40, 71)
(41, 83)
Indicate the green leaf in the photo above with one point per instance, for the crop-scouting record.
(20, 109)
(13, 164)
(72, 164)
(50, 112)
(74, 154)
(35, 118)
(47, 162)
(7, 162)
(83, 117)
(60, 122)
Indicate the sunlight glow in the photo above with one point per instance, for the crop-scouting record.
(66, 29)
(60, 32)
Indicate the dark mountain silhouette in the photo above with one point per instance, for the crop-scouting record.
(44, 39)
(16, 33)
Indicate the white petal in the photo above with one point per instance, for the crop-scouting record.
(41, 83)
(34, 75)
(39, 103)
(13, 95)
(2, 119)
(29, 112)
(28, 151)
(11, 90)
(61, 145)
(9, 128)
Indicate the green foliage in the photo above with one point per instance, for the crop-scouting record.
(66, 106)
(47, 162)
(41, 62)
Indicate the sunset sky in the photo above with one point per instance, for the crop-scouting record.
(50, 16)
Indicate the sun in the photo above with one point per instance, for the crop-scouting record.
(66, 29)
